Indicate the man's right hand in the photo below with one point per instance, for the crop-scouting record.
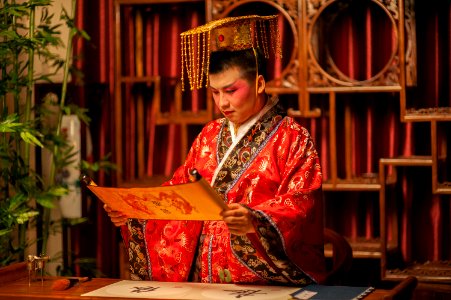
(116, 217)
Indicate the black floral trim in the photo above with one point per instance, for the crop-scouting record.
(263, 254)
(246, 148)
(137, 254)
(271, 262)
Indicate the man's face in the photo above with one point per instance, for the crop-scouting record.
(235, 96)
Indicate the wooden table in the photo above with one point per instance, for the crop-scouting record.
(14, 285)
(19, 289)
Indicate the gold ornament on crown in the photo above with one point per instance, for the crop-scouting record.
(232, 33)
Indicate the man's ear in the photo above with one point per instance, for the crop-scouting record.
(261, 84)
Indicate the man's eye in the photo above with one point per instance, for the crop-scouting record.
(230, 91)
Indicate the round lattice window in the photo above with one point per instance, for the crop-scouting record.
(354, 42)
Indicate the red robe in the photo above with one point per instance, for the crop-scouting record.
(274, 171)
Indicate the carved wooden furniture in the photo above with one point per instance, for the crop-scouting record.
(309, 74)
(291, 80)
(14, 285)
(138, 96)
(341, 254)
(404, 290)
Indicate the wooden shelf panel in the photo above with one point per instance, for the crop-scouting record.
(443, 188)
(363, 183)
(148, 181)
(273, 89)
(314, 113)
(349, 186)
(185, 117)
(428, 114)
(406, 161)
(132, 2)
(434, 271)
(363, 248)
(137, 79)
(354, 89)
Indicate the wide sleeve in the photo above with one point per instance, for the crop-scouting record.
(201, 156)
(286, 202)
(168, 247)
(180, 176)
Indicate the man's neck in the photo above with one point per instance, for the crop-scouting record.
(236, 126)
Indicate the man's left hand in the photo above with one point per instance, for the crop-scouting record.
(238, 219)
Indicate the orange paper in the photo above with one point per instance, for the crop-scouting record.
(190, 201)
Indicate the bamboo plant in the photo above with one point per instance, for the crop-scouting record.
(25, 197)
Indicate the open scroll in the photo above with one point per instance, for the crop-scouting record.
(190, 201)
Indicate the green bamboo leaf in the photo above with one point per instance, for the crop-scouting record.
(16, 201)
(45, 201)
(84, 35)
(85, 165)
(32, 3)
(26, 216)
(5, 231)
(43, 78)
(77, 221)
(10, 124)
(66, 110)
(11, 127)
(11, 118)
(16, 12)
(30, 138)
(58, 191)
(9, 34)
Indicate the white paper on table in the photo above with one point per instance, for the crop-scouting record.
(191, 290)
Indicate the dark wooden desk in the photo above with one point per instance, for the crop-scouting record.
(14, 286)
(19, 289)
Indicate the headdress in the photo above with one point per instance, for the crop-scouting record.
(232, 33)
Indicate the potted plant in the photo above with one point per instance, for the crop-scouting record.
(26, 197)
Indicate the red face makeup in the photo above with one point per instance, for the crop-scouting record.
(235, 96)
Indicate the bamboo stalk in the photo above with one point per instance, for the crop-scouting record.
(21, 234)
(30, 74)
(68, 61)
(16, 88)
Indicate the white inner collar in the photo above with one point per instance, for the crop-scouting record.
(242, 131)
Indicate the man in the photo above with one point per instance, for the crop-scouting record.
(260, 161)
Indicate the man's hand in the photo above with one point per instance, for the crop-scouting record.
(116, 217)
(238, 219)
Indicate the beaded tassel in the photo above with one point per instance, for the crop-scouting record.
(233, 33)
(202, 70)
(208, 60)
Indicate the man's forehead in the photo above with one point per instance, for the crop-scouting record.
(225, 78)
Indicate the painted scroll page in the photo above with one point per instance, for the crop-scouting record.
(190, 291)
(191, 201)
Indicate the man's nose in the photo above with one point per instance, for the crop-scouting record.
(223, 100)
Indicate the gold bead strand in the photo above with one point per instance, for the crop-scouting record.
(265, 36)
(249, 37)
(255, 30)
(208, 60)
(198, 64)
(182, 39)
(277, 48)
(192, 57)
(272, 36)
(264, 39)
(202, 71)
(187, 58)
